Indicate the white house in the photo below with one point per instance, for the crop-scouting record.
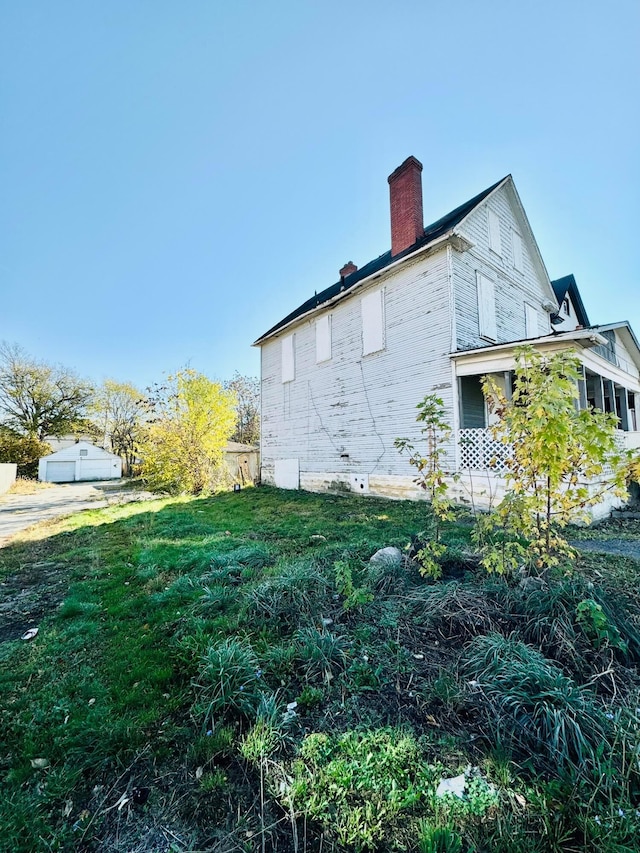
(342, 374)
(80, 461)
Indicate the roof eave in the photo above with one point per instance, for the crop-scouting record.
(459, 241)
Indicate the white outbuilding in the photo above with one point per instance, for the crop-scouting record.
(81, 461)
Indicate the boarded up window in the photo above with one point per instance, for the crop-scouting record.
(323, 338)
(288, 363)
(531, 321)
(372, 322)
(518, 261)
(495, 243)
(486, 308)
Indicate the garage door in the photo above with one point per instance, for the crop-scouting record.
(61, 472)
(97, 469)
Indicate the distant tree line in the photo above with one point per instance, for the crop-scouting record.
(189, 418)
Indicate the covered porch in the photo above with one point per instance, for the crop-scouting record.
(608, 383)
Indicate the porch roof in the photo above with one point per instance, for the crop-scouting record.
(584, 337)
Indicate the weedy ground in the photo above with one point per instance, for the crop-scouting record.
(154, 710)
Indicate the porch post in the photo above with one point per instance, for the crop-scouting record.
(624, 409)
(582, 390)
(611, 391)
(599, 393)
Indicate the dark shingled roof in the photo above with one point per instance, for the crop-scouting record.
(431, 233)
(567, 285)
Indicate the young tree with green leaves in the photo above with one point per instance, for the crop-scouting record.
(431, 475)
(560, 462)
(190, 419)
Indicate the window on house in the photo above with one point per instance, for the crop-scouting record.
(472, 404)
(372, 306)
(566, 310)
(495, 243)
(486, 308)
(531, 321)
(323, 338)
(518, 259)
(84, 453)
(288, 362)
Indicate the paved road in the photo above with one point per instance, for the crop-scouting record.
(17, 512)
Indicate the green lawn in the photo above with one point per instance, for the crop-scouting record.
(150, 712)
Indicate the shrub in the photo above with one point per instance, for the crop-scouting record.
(296, 590)
(320, 652)
(531, 705)
(229, 680)
(358, 783)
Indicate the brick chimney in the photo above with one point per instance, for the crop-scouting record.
(347, 269)
(405, 190)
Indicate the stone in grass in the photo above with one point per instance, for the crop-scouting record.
(390, 558)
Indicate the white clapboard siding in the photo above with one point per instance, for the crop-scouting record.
(495, 241)
(288, 358)
(323, 338)
(516, 245)
(343, 415)
(486, 308)
(512, 288)
(372, 309)
(531, 321)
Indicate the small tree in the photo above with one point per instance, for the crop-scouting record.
(431, 476)
(560, 461)
(24, 450)
(117, 411)
(37, 398)
(247, 391)
(190, 421)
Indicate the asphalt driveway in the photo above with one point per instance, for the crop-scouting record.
(18, 512)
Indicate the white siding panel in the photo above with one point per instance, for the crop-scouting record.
(288, 359)
(372, 306)
(531, 321)
(486, 308)
(495, 242)
(516, 241)
(323, 338)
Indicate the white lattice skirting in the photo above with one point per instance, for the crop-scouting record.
(480, 451)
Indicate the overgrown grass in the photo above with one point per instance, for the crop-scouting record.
(231, 674)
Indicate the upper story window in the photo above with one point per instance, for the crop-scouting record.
(323, 338)
(495, 243)
(566, 307)
(518, 255)
(288, 360)
(532, 329)
(373, 337)
(487, 327)
(84, 453)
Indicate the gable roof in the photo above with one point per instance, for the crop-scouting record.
(431, 233)
(567, 285)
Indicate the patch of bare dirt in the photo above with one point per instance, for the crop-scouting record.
(28, 595)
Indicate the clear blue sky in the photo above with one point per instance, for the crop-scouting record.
(175, 177)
